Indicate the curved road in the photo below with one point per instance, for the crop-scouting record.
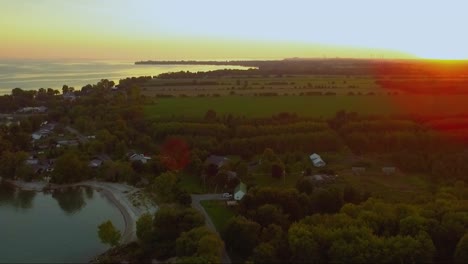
(196, 199)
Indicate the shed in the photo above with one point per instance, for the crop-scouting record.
(240, 191)
(317, 160)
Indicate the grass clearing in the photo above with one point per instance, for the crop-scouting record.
(218, 212)
(191, 183)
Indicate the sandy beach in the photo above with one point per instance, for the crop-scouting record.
(119, 194)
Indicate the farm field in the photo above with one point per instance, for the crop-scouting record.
(308, 106)
(291, 85)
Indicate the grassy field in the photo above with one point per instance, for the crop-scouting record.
(218, 212)
(310, 106)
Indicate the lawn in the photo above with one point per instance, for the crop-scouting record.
(309, 106)
(191, 183)
(218, 212)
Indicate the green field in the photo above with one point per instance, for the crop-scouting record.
(218, 212)
(251, 106)
(310, 106)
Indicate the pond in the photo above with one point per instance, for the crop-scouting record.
(57, 226)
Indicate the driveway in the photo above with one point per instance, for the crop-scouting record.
(196, 199)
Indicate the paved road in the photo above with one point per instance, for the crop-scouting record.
(196, 199)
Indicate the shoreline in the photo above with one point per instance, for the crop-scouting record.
(117, 193)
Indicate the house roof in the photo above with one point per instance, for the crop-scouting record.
(241, 187)
(314, 156)
(216, 160)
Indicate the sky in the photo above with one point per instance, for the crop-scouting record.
(227, 29)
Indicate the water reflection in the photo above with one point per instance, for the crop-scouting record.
(89, 192)
(15, 197)
(71, 200)
(24, 199)
(7, 194)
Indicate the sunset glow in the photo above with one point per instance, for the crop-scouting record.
(243, 29)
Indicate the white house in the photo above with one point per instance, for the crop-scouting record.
(240, 191)
(317, 160)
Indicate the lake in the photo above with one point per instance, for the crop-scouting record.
(60, 226)
(33, 74)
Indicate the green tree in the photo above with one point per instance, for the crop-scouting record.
(109, 234)
(241, 235)
(164, 186)
(265, 253)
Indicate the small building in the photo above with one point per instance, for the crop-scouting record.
(215, 160)
(389, 170)
(317, 160)
(240, 191)
(139, 157)
(231, 175)
(358, 170)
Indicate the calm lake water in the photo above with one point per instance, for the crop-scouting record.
(53, 227)
(28, 74)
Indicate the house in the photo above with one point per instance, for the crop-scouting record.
(39, 109)
(71, 143)
(70, 96)
(358, 170)
(139, 157)
(32, 161)
(45, 130)
(240, 191)
(317, 160)
(321, 178)
(215, 160)
(97, 161)
(389, 170)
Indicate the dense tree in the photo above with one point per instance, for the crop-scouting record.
(200, 242)
(70, 167)
(241, 235)
(144, 228)
(168, 224)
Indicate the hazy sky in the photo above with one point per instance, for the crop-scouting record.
(232, 29)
